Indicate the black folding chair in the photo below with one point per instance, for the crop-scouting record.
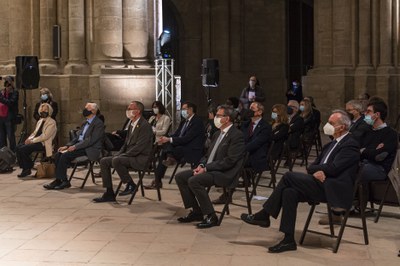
(83, 160)
(388, 197)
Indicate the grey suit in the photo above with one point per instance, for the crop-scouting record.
(133, 154)
(221, 171)
(90, 145)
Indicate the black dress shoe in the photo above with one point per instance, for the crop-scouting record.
(25, 172)
(64, 184)
(282, 247)
(106, 197)
(53, 184)
(250, 219)
(169, 161)
(154, 185)
(191, 217)
(129, 189)
(210, 221)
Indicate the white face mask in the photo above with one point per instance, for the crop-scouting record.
(217, 122)
(155, 111)
(329, 129)
(129, 114)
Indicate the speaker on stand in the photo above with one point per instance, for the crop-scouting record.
(27, 78)
(210, 76)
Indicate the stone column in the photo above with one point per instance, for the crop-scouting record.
(342, 26)
(135, 30)
(4, 37)
(107, 34)
(48, 12)
(77, 63)
(323, 33)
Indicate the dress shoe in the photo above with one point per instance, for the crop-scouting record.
(221, 200)
(106, 197)
(282, 247)
(53, 184)
(210, 221)
(64, 184)
(336, 219)
(129, 189)
(191, 217)
(169, 161)
(250, 219)
(25, 172)
(154, 185)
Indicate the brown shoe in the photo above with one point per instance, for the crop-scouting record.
(154, 185)
(169, 161)
(336, 219)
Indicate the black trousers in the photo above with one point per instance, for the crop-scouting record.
(23, 153)
(168, 150)
(293, 188)
(121, 165)
(63, 160)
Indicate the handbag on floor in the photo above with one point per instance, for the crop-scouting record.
(46, 170)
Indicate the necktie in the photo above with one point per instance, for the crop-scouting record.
(251, 129)
(328, 152)
(183, 130)
(214, 150)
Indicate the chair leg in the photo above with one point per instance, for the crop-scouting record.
(134, 192)
(331, 227)
(303, 234)
(341, 230)
(228, 199)
(362, 213)
(118, 188)
(246, 189)
(378, 214)
(73, 172)
(173, 173)
(159, 193)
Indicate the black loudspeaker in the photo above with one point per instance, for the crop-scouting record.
(56, 42)
(27, 76)
(210, 72)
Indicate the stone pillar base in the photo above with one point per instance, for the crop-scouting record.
(76, 68)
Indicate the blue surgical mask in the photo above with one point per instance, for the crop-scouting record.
(274, 115)
(368, 119)
(44, 97)
(301, 108)
(184, 114)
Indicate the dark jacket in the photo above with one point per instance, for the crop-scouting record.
(92, 140)
(244, 96)
(340, 171)
(257, 144)
(12, 102)
(192, 139)
(279, 136)
(296, 128)
(359, 130)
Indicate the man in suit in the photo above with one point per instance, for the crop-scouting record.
(359, 129)
(133, 154)
(257, 137)
(330, 178)
(89, 142)
(218, 167)
(187, 142)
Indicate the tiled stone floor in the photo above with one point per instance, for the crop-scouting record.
(39, 227)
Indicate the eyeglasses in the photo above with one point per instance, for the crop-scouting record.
(219, 116)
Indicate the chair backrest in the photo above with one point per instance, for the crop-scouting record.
(235, 181)
(151, 157)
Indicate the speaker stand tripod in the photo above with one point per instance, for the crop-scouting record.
(24, 132)
(208, 94)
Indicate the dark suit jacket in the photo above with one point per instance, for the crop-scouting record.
(192, 140)
(257, 144)
(138, 145)
(92, 140)
(359, 130)
(279, 136)
(340, 170)
(227, 157)
(296, 128)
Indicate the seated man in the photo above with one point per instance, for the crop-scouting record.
(88, 142)
(330, 178)
(187, 142)
(379, 146)
(133, 154)
(257, 137)
(359, 129)
(218, 167)
(41, 139)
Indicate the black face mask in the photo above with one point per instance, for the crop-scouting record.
(44, 114)
(250, 113)
(86, 112)
(289, 110)
(351, 116)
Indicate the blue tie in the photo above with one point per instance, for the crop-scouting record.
(328, 151)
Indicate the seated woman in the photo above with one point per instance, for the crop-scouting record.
(309, 124)
(45, 97)
(280, 129)
(159, 121)
(210, 126)
(40, 140)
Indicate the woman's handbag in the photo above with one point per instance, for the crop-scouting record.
(46, 170)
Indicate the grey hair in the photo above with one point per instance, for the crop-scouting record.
(344, 118)
(228, 111)
(94, 106)
(357, 105)
(260, 106)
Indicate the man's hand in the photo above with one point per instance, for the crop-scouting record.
(320, 175)
(71, 148)
(28, 141)
(63, 148)
(163, 140)
(199, 170)
(380, 146)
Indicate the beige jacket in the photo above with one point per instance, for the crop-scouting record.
(49, 131)
(162, 126)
